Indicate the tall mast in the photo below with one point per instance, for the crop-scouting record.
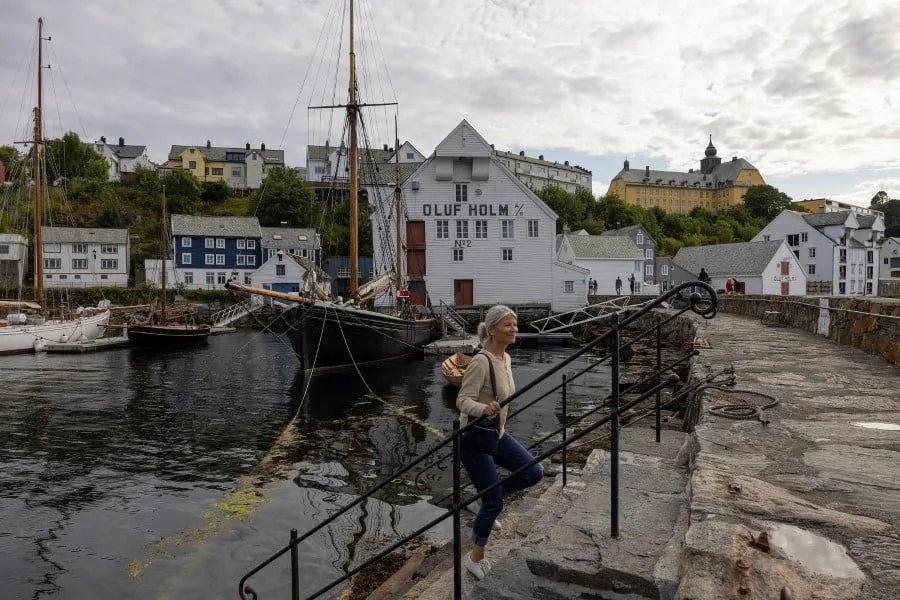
(164, 232)
(399, 273)
(352, 115)
(36, 172)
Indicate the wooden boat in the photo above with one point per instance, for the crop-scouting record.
(454, 368)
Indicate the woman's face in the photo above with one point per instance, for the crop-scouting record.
(505, 331)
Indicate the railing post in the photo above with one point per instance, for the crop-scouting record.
(565, 418)
(658, 376)
(295, 567)
(614, 430)
(457, 542)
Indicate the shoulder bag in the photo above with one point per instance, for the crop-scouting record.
(483, 437)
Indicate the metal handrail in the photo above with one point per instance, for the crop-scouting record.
(705, 307)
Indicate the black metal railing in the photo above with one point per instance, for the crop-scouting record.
(651, 385)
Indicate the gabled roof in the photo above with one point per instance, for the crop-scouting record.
(726, 260)
(218, 154)
(190, 225)
(599, 246)
(865, 221)
(283, 238)
(827, 219)
(83, 235)
(476, 145)
(127, 151)
(628, 230)
(386, 173)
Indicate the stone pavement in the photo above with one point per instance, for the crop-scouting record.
(822, 479)
(809, 501)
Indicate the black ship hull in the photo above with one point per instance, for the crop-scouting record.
(167, 336)
(329, 338)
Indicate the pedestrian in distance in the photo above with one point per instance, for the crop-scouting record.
(488, 380)
(631, 282)
(618, 286)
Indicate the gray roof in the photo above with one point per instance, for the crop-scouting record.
(727, 170)
(725, 260)
(629, 230)
(598, 246)
(865, 221)
(127, 151)
(290, 238)
(237, 227)
(385, 175)
(83, 235)
(216, 153)
(855, 243)
(538, 161)
(826, 219)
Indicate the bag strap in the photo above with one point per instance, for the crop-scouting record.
(493, 376)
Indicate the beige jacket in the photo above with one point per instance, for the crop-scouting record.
(475, 390)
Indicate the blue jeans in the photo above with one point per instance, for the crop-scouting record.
(482, 470)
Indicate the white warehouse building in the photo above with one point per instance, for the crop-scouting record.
(475, 234)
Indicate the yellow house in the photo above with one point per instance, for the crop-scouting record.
(717, 185)
(240, 168)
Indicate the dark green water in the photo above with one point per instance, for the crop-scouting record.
(106, 460)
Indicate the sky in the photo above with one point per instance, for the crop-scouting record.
(808, 91)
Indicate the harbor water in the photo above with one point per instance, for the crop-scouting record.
(120, 469)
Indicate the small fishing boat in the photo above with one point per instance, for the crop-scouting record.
(454, 368)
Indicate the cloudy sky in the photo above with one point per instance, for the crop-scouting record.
(808, 90)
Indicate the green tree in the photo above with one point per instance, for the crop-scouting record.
(891, 208)
(286, 197)
(214, 192)
(71, 158)
(11, 160)
(182, 192)
(766, 201)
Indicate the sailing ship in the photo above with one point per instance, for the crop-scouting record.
(159, 328)
(30, 327)
(331, 335)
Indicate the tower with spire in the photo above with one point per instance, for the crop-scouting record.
(709, 162)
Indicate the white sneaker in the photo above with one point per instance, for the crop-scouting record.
(475, 506)
(479, 569)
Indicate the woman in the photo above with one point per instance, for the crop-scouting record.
(480, 396)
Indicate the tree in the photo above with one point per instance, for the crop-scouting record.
(214, 192)
(182, 192)
(766, 202)
(284, 196)
(11, 159)
(891, 209)
(879, 200)
(71, 158)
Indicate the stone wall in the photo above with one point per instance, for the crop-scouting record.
(870, 324)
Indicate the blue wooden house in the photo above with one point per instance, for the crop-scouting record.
(338, 268)
(212, 250)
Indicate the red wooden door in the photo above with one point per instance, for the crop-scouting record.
(785, 288)
(463, 292)
(415, 248)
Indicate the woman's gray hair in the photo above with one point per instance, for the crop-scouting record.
(492, 318)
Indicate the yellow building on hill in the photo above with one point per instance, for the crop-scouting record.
(717, 185)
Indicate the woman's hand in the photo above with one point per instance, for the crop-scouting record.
(491, 409)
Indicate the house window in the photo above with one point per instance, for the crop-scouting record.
(78, 249)
(481, 230)
(811, 269)
(241, 244)
(79, 264)
(843, 255)
(533, 228)
(870, 257)
(210, 278)
(220, 278)
(569, 287)
(251, 260)
(280, 270)
(804, 237)
(812, 252)
(186, 258)
(52, 263)
(410, 156)
(869, 272)
(240, 260)
(247, 279)
(457, 255)
(189, 277)
(443, 230)
(218, 171)
(793, 239)
(220, 243)
(220, 259)
(63, 276)
(765, 238)
(506, 229)
(869, 288)
(664, 270)
(186, 242)
(251, 244)
(507, 254)
(109, 264)
(235, 172)
(797, 253)
(270, 253)
(842, 272)
(462, 230)
(648, 253)
(462, 192)
(109, 249)
(192, 164)
(4, 248)
(640, 238)
(104, 277)
(210, 259)
(648, 270)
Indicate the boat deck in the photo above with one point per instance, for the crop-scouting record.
(88, 345)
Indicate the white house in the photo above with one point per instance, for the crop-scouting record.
(768, 267)
(839, 250)
(13, 259)
(645, 242)
(474, 233)
(302, 242)
(605, 258)
(890, 259)
(284, 272)
(85, 257)
(329, 163)
(122, 158)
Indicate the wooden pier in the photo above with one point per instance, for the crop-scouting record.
(108, 343)
(451, 345)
